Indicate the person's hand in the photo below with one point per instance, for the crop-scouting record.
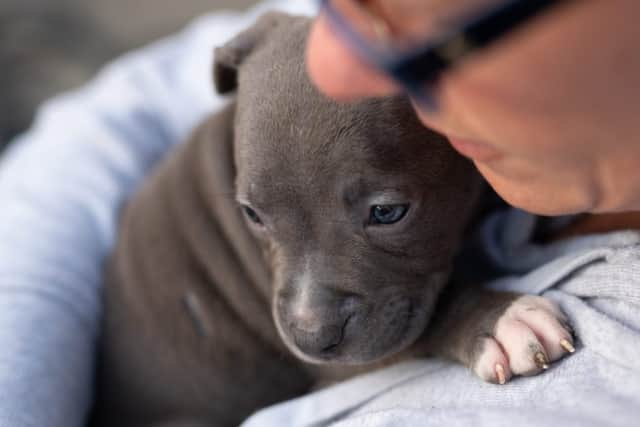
(550, 114)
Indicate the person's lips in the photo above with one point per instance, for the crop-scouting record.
(475, 150)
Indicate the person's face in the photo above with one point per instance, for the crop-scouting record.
(550, 115)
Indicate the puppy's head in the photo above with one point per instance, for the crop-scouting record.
(359, 207)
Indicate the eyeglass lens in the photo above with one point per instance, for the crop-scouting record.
(403, 24)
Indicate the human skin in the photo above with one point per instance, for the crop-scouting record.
(550, 115)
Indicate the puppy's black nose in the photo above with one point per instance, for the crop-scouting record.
(318, 326)
(320, 342)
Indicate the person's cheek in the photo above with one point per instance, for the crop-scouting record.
(337, 71)
(446, 113)
(431, 116)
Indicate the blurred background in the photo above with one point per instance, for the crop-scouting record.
(49, 46)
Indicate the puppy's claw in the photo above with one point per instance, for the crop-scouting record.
(567, 345)
(528, 336)
(500, 373)
(541, 360)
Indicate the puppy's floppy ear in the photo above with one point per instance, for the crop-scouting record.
(229, 57)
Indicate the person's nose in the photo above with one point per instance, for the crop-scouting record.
(338, 71)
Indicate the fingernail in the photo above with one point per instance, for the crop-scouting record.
(541, 360)
(567, 345)
(500, 373)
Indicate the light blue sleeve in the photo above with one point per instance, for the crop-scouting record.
(61, 185)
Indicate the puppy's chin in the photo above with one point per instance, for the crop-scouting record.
(370, 337)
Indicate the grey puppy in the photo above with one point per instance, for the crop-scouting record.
(293, 225)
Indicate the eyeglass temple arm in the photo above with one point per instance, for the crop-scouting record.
(425, 65)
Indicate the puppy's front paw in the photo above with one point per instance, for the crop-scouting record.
(531, 333)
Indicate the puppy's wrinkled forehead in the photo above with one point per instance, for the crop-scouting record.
(288, 134)
(278, 106)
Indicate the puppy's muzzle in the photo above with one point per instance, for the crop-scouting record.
(322, 341)
(318, 322)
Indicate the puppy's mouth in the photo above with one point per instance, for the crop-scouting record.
(332, 348)
(363, 337)
(379, 335)
(366, 348)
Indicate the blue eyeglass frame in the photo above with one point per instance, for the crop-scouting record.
(420, 68)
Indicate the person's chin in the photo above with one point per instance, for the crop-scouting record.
(539, 193)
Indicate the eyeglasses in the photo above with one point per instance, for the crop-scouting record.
(414, 42)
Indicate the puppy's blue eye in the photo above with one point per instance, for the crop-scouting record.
(252, 215)
(387, 214)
